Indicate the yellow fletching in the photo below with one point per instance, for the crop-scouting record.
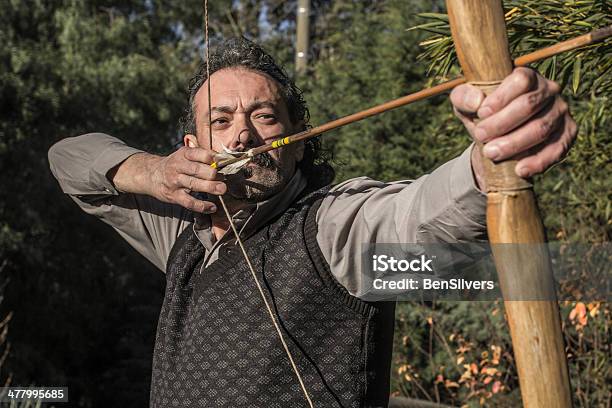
(213, 165)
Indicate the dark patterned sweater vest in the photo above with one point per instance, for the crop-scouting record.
(216, 345)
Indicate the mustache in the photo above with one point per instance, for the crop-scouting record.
(265, 160)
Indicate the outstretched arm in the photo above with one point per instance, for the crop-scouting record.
(442, 207)
(525, 118)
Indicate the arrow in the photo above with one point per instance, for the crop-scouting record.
(224, 159)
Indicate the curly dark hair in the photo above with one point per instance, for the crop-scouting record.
(241, 52)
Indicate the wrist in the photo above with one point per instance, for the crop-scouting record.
(478, 168)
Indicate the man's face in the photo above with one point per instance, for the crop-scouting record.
(248, 110)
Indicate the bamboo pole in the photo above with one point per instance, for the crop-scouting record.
(524, 268)
(538, 55)
(302, 36)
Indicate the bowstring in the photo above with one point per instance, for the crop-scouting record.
(235, 231)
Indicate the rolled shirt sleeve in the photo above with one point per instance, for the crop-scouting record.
(80, 165)
(442, 207)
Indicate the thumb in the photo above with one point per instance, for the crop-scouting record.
(467, 99)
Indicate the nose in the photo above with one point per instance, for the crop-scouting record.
(244, 134)
(243, 140)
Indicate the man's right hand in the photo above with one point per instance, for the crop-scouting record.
(171, 178)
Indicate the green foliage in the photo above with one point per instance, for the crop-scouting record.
(367, 59)
(575, 199)
(84, 306)
(457, 353)
(533, 25)
(121, 67)
(460, 353)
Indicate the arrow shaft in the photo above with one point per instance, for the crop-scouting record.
(532, 57)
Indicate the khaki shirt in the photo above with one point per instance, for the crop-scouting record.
(442, 207)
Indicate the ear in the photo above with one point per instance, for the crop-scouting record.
(190, 140)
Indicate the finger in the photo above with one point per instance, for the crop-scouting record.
(514, 115)
(199, 154)
(185, 200)
(203, 186)
(199, 170)
(466, 99)
(467, 121)
(519, 82)
(536, 131)
(549, 153)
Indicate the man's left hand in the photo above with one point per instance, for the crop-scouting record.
(525, 118)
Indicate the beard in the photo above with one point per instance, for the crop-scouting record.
(259, 180)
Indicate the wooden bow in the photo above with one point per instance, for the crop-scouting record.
(514, 225)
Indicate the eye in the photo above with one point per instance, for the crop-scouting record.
(266, 118)
(220, 122)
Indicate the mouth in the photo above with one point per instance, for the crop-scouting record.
(247, 171)
(263, 161)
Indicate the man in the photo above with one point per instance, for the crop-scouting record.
(216, 345)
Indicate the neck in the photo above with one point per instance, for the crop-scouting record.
(219, 222)
(220, 225)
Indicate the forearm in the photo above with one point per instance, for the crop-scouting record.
(134, 174)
